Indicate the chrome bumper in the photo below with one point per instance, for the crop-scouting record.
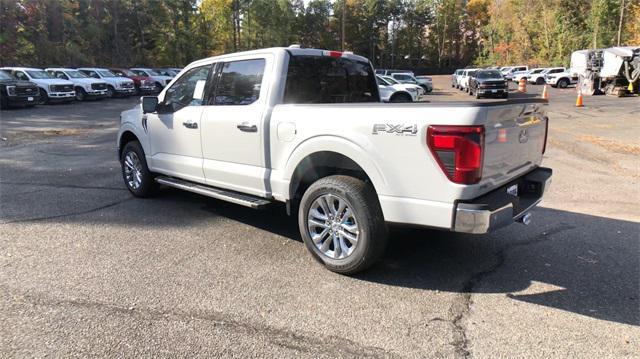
(499, 208)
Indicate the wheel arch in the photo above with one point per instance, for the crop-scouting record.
(400, 93)
(125, 137)
(320, 164)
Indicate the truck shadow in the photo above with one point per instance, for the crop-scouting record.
(579, 263)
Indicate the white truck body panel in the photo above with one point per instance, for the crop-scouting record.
(410, 185)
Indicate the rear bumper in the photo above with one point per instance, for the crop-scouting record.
(502, 206)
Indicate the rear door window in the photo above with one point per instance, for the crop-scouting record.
(240, 82)
(325, 79)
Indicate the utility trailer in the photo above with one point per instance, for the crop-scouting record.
(612, 71)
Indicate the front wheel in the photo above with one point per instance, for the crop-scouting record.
(44, 98)
(341, 223)
(137, 177)
(539, 81)
(401, 97)
(563, 83)
(81, 95)
(110, 91)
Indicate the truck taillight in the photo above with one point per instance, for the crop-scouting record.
(336, 54)
(458, 151)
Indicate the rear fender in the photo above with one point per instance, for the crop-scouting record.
(332, 144)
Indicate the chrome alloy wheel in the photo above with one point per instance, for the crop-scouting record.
(332, 226)
(132, 170)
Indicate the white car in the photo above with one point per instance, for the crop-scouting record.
(51, 88)
(160, 80)
(454, 78)
(409, 87)
(534, 76)
(408, 78)
(116, 85)
(398, 93)
(510, 73)
(560, 77)
(517, 76)
(85, 86)
(305, 127)
(463, 79)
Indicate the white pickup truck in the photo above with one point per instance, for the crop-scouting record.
(306, 127)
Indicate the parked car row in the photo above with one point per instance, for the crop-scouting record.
(30, 86)
(408, 77)
(481, 82)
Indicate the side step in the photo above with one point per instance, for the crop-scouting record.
(229, 196)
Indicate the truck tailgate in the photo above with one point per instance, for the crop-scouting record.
(515, 137)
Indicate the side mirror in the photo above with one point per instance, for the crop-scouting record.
(149, 104)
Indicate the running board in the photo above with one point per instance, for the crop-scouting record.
(221, 194)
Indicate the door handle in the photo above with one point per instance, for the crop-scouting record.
(190, 124)
(245, 127)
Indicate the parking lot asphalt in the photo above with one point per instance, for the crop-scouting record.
(87, 270)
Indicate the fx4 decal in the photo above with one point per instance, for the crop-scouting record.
(398, 129)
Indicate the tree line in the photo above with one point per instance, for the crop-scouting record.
(436, 34)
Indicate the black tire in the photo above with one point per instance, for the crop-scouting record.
(111, 92)
(148, 186)
(81, 94)
(44, 98)
(539, 81)
(159, 87)
(4, 103)
(478, 95)
(372, 229)
(563, 83)
(401, 98)
(505, 95)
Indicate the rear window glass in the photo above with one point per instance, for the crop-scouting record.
(324, 79)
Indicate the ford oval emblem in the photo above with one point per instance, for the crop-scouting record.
(523, 137)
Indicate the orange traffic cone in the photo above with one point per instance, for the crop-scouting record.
(579, 100)
(522, 86)
(545, 92)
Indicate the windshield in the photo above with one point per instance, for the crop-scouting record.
(150, 72)
(382, 81)
(39, 74)
(489, 74)
(472, 73)
(76, 74)
(5, 76)
(391, 80)
(106, 73)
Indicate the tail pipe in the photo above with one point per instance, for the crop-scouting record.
(526, 219)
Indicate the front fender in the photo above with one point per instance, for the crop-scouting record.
(132, 121)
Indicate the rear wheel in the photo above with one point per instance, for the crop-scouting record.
(137, 177)
(341, 223)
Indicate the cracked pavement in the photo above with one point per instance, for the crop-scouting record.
(86, 270)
